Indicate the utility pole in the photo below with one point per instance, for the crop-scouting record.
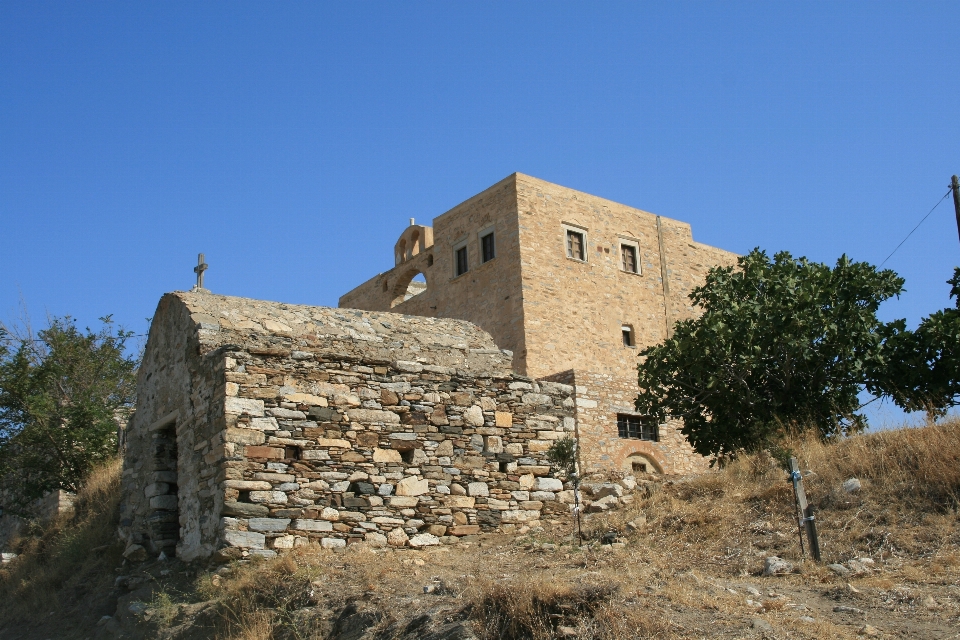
(955, 185)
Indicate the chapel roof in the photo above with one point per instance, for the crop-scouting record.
(244, 323)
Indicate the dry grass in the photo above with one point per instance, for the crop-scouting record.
(61, 565)
(682, 574)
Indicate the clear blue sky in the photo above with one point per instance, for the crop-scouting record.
(291, 142)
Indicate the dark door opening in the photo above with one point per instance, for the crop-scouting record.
(164, 520)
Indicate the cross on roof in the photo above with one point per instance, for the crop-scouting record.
(199, 269)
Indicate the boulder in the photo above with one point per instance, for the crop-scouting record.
(774, 565)
(607, 489)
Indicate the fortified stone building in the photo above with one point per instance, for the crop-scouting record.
(574, 286)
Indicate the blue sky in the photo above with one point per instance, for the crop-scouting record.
(291, 142)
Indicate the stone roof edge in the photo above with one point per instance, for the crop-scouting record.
(210, 332)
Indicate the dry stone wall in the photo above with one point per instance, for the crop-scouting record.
(400, 453)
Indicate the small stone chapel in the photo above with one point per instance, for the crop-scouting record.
(263, 426)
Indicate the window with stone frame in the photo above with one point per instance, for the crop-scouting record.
(487, 246)
(629, 255)
(460, 261)
(628, 258)
(576, 245)
(637, 427)
(627, 332)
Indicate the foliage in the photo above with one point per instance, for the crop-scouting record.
(563, 455)
(921, 369)
(62, 395)
(782, 344)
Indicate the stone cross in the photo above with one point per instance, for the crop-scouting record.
(199, 269)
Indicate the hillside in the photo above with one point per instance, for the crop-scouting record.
(686, 563)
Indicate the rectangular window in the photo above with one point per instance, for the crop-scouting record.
(627, 332)
(487, 249)
(637, 427)
(461, 260)
(575, 245)
(628, 256)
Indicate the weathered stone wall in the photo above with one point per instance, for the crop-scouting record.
(599, 398)
(179, 390)
(388, 452)
(304, 424)
(574, 310)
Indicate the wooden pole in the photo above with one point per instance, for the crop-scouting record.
(807, 521)
(955, 185)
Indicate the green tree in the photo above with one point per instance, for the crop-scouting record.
(782, 344)
(62, 395)
(921, 369)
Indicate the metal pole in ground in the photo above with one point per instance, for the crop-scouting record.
(807, 521)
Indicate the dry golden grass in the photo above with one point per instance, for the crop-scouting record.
(682, 573)
(73, 557)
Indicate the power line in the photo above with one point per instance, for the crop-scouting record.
(949, 191)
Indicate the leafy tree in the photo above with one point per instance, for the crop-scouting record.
(62, 395)
(782, 344)
(921, 369)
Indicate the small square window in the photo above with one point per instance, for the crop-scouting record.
(487, 248)
(637, 427)
(460, 258)
(627, 332)
(576, 245)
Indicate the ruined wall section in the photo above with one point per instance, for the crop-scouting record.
(488, 295)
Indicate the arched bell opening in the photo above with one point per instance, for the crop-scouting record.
(414, 244)
(411, 284)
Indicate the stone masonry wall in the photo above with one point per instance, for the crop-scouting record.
(398, 453)
(567, 300)
(599, 398)
(166, 503)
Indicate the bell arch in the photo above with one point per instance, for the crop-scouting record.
(411, 283)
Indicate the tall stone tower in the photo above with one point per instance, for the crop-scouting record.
(572, 284)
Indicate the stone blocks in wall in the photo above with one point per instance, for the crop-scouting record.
(390, 474)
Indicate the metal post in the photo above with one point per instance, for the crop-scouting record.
(807, 519)
(955, 185)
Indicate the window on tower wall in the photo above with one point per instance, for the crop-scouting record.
(487, 247)
(629, 256)
(637, 427)
(461, 265)
(576, 245)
